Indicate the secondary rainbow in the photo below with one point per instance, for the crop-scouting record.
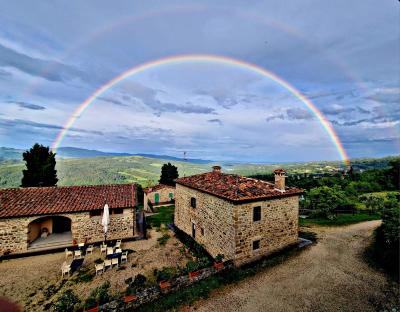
(205, 58)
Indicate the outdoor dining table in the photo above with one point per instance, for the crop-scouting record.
(115, 255)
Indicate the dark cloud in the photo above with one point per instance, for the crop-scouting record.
(28, 105)
(337, 110)
(50, 70)
(112, 101)
(218, 121)
(20, 123)
(4, 74)
(298, 114)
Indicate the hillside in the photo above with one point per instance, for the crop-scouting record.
(146, 171)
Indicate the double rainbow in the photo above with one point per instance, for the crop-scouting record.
(205, 58)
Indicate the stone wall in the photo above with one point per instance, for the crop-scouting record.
(212, 214)
(14, 231)
(277, 228)
(229, 229)
(164, 197)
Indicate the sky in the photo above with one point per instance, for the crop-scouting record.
(344, 56)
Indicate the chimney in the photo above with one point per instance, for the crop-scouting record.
(216, 169)
(280, 179)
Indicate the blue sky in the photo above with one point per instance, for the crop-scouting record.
(344, 56)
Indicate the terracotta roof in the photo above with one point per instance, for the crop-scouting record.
(29, 201)
(156, 188)
(235, 188)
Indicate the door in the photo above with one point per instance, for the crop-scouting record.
(156, 198)
(193, 230)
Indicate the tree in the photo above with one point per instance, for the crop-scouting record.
(40, 167)
(324, 200)
(168, 174)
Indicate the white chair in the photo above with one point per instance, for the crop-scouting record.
(99, 268)
(107, 263)
(80, 245)
(114, 261)
(118, 243)
(118, 250)
(65, 269)
(124, 256)
(68, 253)
(89, 249)
(110, 251)
(77, 254)
(103, 248)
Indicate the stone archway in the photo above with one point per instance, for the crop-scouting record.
(49, 231)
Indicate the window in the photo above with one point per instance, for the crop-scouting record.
(256, 244)
(171, 195)
(118, 211)
(193, 202)
(95, 213)
(256, 213)
(202, 231)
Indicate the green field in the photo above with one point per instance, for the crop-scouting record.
(146, 171)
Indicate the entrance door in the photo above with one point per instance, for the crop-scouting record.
(156, 198)
(193, 230)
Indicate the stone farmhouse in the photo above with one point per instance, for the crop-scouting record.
(33, 219)
(158, 195)
(241, 218)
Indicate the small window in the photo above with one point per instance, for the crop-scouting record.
(118, 211)
(256, 213)
(256, 244)
(193, 202)
(95, 213)
(171, 195)
(202, 231)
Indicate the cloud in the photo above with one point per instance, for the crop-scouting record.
(298, 114)
(112, 101)
(5, 74)
(28, 105)
(217, 121)
(50, 70)
(19, 123)
(148, 96)
(337, 110)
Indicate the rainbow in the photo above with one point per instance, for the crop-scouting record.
(205, 58)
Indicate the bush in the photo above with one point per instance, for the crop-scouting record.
(66, 302)
(165, 274)
(163, 239)
(99, 295)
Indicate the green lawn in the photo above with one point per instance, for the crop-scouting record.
(342, 219)
(165, 215)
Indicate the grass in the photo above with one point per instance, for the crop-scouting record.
(164, 216)
(203, 288)
(342, 219)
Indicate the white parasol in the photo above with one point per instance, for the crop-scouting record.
(105, 221)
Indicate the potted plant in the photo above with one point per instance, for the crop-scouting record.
(129, 296)
(193, 268)
(219, 264)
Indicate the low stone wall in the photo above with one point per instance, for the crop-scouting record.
(154, 292)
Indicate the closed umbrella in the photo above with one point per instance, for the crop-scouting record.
(105, 221)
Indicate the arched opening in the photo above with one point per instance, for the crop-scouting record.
(49, 231)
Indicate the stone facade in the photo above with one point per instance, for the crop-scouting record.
(163, 195)
(15, 236)
(227, 228)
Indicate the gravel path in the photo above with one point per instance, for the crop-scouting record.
(329, 276)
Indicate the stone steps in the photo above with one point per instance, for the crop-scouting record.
(50, 245)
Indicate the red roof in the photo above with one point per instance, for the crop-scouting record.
(235, 188)
(157, 187)
(30, 201)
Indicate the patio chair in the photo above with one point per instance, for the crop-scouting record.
(99, 268)
(110, 251)
(89, 249)
(118, 243)
(103, 248)
(80, 245)
(118, 250)
(65, 269)
(107, 263)
(77, 254)
(124, 256)
(68, 253)
(114, 261)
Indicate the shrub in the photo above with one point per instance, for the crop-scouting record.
(163, 239)
(165, 274)
(99, 295)
(66, 302)
(219, 257)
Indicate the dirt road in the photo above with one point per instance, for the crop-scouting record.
(329, 276)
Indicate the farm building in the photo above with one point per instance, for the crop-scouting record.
(158, 195)
(241, 218)
(42, 218)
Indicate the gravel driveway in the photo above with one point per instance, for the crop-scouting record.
(329, 276)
